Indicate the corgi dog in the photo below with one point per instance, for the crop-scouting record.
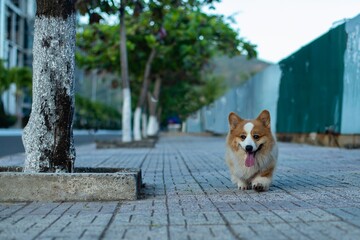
(251, 151)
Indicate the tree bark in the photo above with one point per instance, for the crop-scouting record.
(126, 110)
(153, 125)
(48, 136)
(144, 90)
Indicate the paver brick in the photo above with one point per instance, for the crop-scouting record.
(188, 195)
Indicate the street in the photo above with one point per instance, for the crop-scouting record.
(11, 143)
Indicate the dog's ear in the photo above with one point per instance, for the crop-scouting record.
(234, 120)
(264, 117)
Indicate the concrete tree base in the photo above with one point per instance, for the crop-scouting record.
(85, 184)
(117, 143)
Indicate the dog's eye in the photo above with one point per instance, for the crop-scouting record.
(242, 137)
(256, 137)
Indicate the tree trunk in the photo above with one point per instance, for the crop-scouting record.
(126, 110)
(144, 90)
(48, 136)
(153, 125)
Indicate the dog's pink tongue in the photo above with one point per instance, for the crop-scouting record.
(250, 159)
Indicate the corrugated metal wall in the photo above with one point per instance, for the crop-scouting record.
(315, 89)
(350, 123)
(259, 93)
(311, 87)
(194, 123)
(248, 100)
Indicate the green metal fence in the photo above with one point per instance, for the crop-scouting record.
(311, 88)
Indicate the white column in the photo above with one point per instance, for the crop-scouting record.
(126, 116)
(137, 124)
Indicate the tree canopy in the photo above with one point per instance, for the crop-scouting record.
(192, 39)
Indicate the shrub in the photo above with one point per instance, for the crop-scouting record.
(95, 115)
(6, 120)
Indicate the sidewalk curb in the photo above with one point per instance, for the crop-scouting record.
(86, 184)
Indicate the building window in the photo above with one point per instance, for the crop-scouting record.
(18, 32)
(20, 58)
(8, 23)
(16, 2)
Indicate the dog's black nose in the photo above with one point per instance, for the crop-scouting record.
(248, 148)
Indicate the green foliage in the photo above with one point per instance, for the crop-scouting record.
(214, 88)
(192, 97)
(99, 48)
(4, 80)
(21, 76)
(95, 8)
(6, 120)
(95, 115)
(192, 39)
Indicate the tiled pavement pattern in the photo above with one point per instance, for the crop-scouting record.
(188, 195)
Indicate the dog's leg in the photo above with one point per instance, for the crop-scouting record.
(263, 180)
(242, 185)
(261, 183)
(230, 164)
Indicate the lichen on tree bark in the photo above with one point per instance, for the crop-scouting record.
(48, 136)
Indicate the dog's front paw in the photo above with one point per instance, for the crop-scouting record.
(261, 184)
(260, 187)
(242, 185)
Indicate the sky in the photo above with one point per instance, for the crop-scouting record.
(281, 27)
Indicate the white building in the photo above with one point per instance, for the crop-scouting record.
(16, 37)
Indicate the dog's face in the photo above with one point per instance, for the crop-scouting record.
(250, 136)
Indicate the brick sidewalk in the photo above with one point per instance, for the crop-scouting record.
(188, 195)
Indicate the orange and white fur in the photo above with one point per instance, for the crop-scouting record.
(251, 151)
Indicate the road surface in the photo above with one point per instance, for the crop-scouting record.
(11, 143)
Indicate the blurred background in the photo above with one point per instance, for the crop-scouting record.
(299, 59)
